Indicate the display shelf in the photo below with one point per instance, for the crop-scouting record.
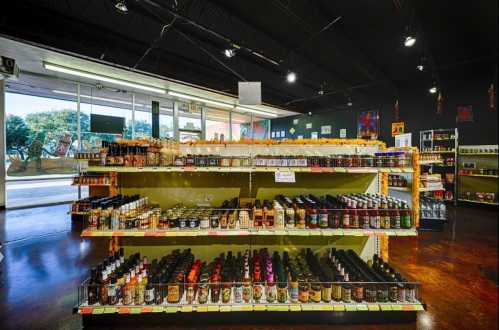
(250, 169)
(480, 175)
(430, 162)
(438, 152)
(215, 308)
(479, 154)
(424, 189)
(477, 202)
(249, 232)
(92, 184)
(399, 188)
(432, 218)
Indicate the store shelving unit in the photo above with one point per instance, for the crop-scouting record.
(478, 174)
(168, 186)
(444, 143)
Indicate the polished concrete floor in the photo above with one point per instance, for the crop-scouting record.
(45, 259)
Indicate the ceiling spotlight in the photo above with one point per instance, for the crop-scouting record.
(121, 6)
(433, 89)
(291, 77)
(230, 52)
(409, 41)
(420, 67)
(350, 103)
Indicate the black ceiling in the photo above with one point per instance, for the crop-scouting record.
(359, 55)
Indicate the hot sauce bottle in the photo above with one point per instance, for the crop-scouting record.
(268, 214)
(257, 215)
(299, 207)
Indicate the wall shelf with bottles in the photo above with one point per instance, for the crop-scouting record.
(364, 168)
(442, 143)
(478, 174)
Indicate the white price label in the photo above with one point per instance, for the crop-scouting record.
(287, 177)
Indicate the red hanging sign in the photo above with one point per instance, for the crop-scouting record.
(464, 114)
(396, 111)
(440, 104)
(492, 98)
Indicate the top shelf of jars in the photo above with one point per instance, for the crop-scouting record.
(168, 156)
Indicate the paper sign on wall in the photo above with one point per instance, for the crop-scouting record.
(314, 135)
(295, 121)
(343, 133)
(326, 129)
(308, 125)
(283, 134)
(398, 128)
(403, 140)
(272, 134)
(278, 134)
(286, 177)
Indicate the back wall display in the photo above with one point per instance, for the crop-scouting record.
(368, 125)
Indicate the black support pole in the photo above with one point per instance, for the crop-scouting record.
(155, 119)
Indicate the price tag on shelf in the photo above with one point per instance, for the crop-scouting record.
(212, 308)
(295, 308)
(361, 307)
(201, 309)
(339, 308)
(186, 309)
(373, 307)
(98, 311)
(124, 310)
(225, 308)
(385, 307)
(135, 310)
(86, 310)
(247, 308)
(396, 307)
(351, 308)
(157, 309)
(171, 309)
(315, 232)
(259, 308)
(110, 310)
(307, 307)
(147, 309)
(285, 177)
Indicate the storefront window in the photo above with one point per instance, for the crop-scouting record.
(241, 126)
(189, 122)
(261, 128)
(217, 124)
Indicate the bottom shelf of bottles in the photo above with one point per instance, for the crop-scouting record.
(254, 281)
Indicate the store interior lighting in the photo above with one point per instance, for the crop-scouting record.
(409, 41)
(78, 73)
(433, 90)
(121, 6)
(96, 98)
(291, 77)
(229, 52)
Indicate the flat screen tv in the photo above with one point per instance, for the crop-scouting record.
(106, 124)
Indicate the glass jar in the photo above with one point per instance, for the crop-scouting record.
(303, 292)
(393, 292)
(382, 293)
(315, 294)
(336, 288)
(370, 292)
(401, 292)
(271, 292)
(358, 293)
(410, 293)
(247, 292)
(346, 293)
(203, 292)
(326, 292)
(238, 293)
(226, 292)
(257, 291)
(282, 293)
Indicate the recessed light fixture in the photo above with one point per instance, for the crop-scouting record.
(230, 52)
(84, 74)
(291, 77)
(433, 89)
(121, 6)
(409, 41)
(420, 67)
(349, 103)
